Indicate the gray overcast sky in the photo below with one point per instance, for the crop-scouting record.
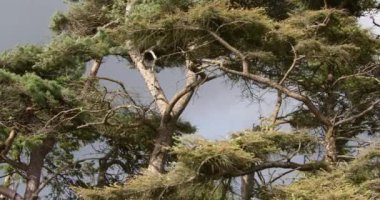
(216, 110)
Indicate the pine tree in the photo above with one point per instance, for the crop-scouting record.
(310, 52)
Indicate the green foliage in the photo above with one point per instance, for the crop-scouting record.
(354, 7)
(212, 158)
(83, 18)
(203, 166)
(30, 142)
(39, 83)
(21, 59)
(182, 28)
(64, 58)
(44, 93)
(356, 180)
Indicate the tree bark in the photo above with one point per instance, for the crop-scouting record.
(169, 111)
(246, 186)
(150, 79)
(103, 167)
(9, 193)
(92, 76)
(160, 152)
(330, 145)
(34, 169)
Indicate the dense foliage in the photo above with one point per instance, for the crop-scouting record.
(312, 53)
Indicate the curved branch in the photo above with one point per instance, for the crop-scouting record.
(281, 88)
(181, 99)
(121, 84)
(369, 109)
(232, 49)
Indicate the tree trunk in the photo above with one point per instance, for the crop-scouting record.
(103, 167)
(92, 76)
(330, 145)
(246, 186)
(35, 167)
(160, 152)
(169, 111)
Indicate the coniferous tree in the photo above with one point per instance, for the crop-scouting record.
(311, 52)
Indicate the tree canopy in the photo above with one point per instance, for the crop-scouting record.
(312, 53)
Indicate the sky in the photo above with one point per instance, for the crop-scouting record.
(216, 109)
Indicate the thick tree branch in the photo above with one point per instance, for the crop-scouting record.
(285, 165)
(20, 166)
(9, 193)
(180, 100)
(150, 79)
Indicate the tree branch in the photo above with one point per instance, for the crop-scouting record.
(9, 193)
(182, 98)
(285, 165)
(277, 86)
(93, 73)
(374, 21)
(121, 84)
(6, 146)
(59, 172)
(232, 49)
(150, 79)
(353, 117)
(17, 165)
(295, 59)
(277, 107)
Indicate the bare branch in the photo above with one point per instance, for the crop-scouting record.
(6, 146)
(121, 84)
(277, 107)
(62, 113)
(108, 115)
(232, 49)
(277, 86)
(281, 175)
(295, 59)
(374, 21)
(181, 99)
(353, 117)
(59, 172)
